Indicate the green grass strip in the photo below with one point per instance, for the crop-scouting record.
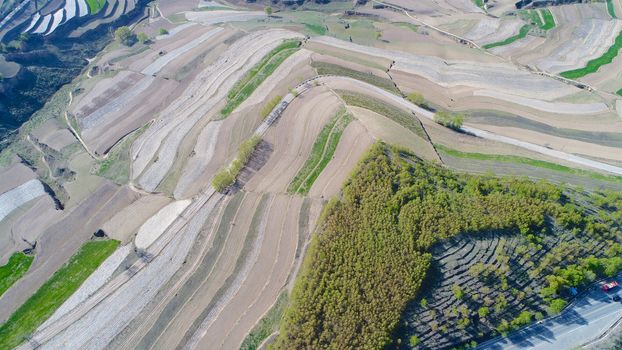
(610, 9)
(549, 21)
(321, 153)
(527, 161)
(267, 325)
(95, 5)
(18, 265)
(253, 78)
(334, 69)
(41, 305)
(595, 64)
(521, 34)
(398, 115)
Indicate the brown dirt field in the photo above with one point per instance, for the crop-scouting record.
(461, 99)
(124, 224)
(54, 135)
(85, 183)
(186, 314)
(292, 139)
(355, 140)
(389, 131)
(558, 143)
(132, 116)
(362, 59)
(170, 7)
(241, 124)
(265, 280)
(102, 92)
(317, 57)
(61, 240)
(14, 176)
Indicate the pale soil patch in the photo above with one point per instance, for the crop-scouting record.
(317, 57)
(175, 6)
(355, 140)
(26, 223)
(126, 222)
(292, 139)
(52, 134)
(85, 183)
(20, 195)
(558, 143)
(14, 176)
(61, 240)
(130, 116)
(382, 128)
(551, 107)
(361, 59)
(267, 277)
(188, 313)
(223, 16)
(491, 29)
(155, 226)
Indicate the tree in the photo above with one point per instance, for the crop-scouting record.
(416, 98)
(458, 293)
(163, 31)
(268, 10)
(414, 341)
(143, 38)
(483, 312)
(125, 36)
(556, 306)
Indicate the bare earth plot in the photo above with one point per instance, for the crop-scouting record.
(292, 138)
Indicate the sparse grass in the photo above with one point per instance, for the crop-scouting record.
(116, 167)
(321, 153)
(521, 34)
(269, 106)
(405, 119)
(95, 5)
(410, 26)
(253, 78)
(611, 9)
(595, 64)
(41, 305)
(267, 325)
(527, 161)
(14, 269)
(315, 28)
(334, 69)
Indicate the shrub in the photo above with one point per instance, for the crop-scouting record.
(424, 303)
(483, 312)
(226, 176)
(414, 341)
(269, 106)
(125, 36)
(523, 319)
(458, 293)
(450, 120)
(556, 306)
(163, 31)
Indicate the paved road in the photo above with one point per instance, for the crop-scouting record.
(585, 320)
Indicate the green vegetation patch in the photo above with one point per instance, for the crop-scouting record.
(365, 266)
(324, 68)
(41, 305)
(595, 64)
(521, 34)
(480, 4)
(527, 161)
(405, 119)
(611, 9)
(321, 153)
(253, 78)
(95, 5)
(549, 21)
(269, 106)
(619, 92)
(15, 268)
(226, 176)
(267, 325)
